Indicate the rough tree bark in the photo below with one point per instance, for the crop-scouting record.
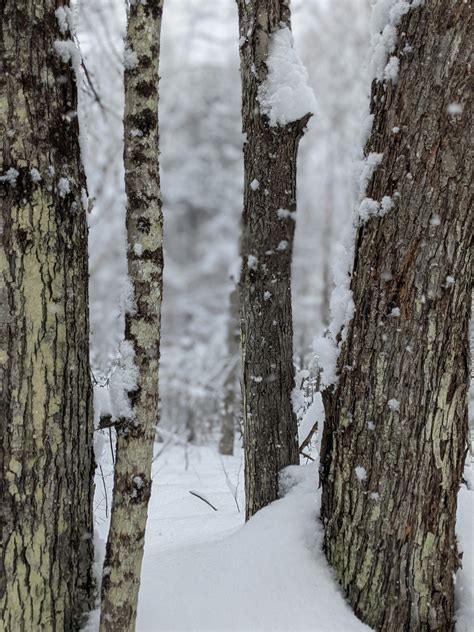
(231, 403)
(136, 435)
(46, 455)
(396, 430)
(270, 427)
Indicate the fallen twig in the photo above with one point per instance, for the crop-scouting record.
(203, 499)
(307, 441)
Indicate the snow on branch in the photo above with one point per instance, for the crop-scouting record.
(123, 381)
(285, 96)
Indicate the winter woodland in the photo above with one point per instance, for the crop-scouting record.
(236, 285)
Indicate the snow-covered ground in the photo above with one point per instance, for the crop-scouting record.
(206, 570)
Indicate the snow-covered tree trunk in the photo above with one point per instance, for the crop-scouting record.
(396, 429)
(141, 349)
(46, 456)
(231, 401)
(273, 123)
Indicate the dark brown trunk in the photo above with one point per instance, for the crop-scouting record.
(396, 430)
(270, 427)
(46, 456)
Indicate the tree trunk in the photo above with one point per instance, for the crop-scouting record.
(270, 427)
(136, 432)
(46, 455)
(396, 430)
(231, 406)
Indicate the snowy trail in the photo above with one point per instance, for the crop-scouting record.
(204, 570)
(266, 575)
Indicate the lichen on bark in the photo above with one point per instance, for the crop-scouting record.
(399, 409)
(136, 435)
(46, 458)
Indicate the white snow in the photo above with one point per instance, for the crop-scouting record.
(386, 205)
(367, 170)
(254, 185)
(298, 400)
(64, 187)
(138, 484)
(138, 249)
(326, 347)
(283, 213)
(368, 208)
(386, 16)
(314, 413)
(360, 472)
(464, 597)
(394, 405)
(235, 269)
(283, 245)
(267, 295)
(326, 353)
(390, 72)
(10, 176)
(130, 59)
(35, 175)
(206, 570)
(285, 95)
(68, 52)
(435, 220)
(394, 313)
(450, 280)
(454, 109)
(65, 18)
(252, 262)
(123, 381)
(102, 405)
(127, 297)
(102, 408)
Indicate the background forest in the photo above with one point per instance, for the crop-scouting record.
(202, 180)
(305, 460)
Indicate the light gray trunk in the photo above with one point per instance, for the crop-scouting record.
(136, 436)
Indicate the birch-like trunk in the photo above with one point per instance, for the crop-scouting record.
(136, 435)
(46, 428)
(270, 426)
(396, 430)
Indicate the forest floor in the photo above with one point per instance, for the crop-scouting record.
(206, 570)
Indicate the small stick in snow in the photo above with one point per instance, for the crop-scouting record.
(233, 490)
(307, 441)
(105, 491)
(203, 499)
